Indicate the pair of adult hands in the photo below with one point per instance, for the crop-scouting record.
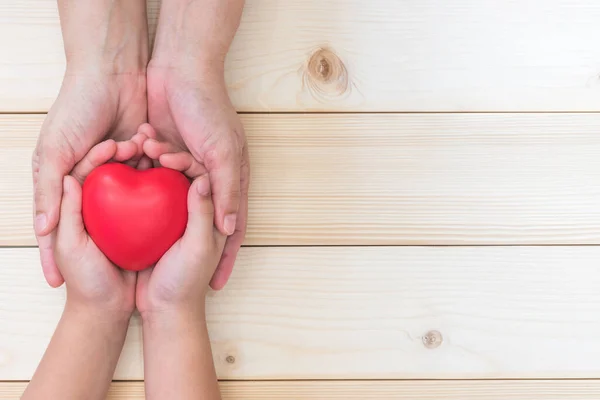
(190, 109)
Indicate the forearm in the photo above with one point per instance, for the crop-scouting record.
(197, 30)
(178, 362)
(110, 36)
(81, 358)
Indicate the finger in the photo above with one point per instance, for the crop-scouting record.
(138, 139)
(71, 229)
(201, 213)
(147, 130)
(125, 151)
(234, 242)
(230, 252)
(98, 155)
(50, 165)
(184, 162)
(223, 165)
(154, 149)
(145, 163)
(49, 267)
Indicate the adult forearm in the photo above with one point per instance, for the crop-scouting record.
(178, 362)
(110, 36)
(81, 358)
(197, 30)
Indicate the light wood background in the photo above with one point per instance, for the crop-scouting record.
(424, 219)
(385, 55)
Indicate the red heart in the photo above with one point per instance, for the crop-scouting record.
(134, 216)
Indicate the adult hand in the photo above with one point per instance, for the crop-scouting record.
(88, 109)
(103, 96)
(198, 116)
(189, 106)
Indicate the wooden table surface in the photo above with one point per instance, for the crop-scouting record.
(424, 208)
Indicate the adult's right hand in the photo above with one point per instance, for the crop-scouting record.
(103, 96)
(91, 107)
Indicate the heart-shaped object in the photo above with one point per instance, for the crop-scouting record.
(134, 216)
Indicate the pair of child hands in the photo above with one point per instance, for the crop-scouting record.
(180, 280)
(83, 353)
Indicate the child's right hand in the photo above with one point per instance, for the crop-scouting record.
(94, 284)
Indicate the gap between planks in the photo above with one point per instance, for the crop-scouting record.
(371, 390)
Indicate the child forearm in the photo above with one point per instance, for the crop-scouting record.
(81, 358)
(178, 362)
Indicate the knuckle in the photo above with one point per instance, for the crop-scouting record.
(222, 152)
(57, 147)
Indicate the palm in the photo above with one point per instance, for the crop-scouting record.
(172, 278)
(106, 281)
(90, 109)
(189, 114)
(158, 282)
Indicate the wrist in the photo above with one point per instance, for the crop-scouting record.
(178, 359)
(173, 317)
(104, 36)
(196, 33)
(102, 317)
(132, 62)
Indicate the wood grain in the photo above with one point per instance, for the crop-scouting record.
(362, 313)
(352, 55)
(388, 179)
(371, 390)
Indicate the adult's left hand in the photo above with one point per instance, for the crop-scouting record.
(191, 110)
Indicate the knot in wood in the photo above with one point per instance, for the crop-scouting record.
(326, 74)
(324, 70)
(432, 339)
(230, 359)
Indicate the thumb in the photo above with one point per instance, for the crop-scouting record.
(201, 214)
(224, 171)
(71, 221)
(48, 189)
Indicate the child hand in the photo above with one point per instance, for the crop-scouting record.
(180, 280)
(89, 337)
(93, 282)
(171, 295)
(170, 156)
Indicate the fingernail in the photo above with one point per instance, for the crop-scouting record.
(41, 221)
(229, 223)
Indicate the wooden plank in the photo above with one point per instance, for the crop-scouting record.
(372, 390)
(362, 313)
(352, 55)
(389, 179)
